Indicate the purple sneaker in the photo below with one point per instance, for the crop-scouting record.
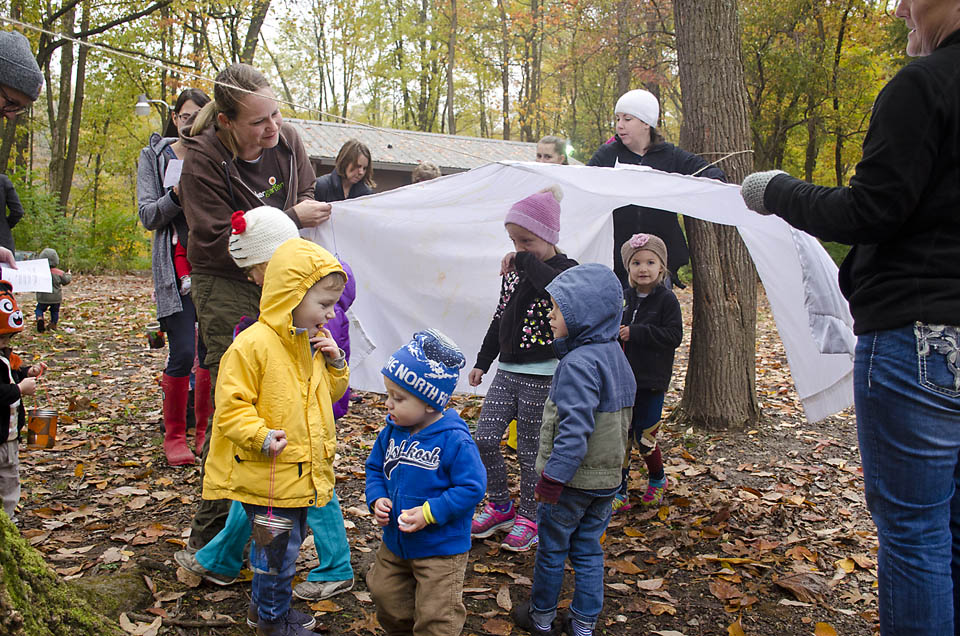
(490, 520)
(522, 537)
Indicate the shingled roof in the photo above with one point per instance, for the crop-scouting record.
(404, 149)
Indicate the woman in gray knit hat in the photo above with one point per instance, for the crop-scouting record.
(20, 77)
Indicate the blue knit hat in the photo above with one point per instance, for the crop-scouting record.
(427, 367)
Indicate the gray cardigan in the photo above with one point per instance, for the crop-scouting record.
(162, 214)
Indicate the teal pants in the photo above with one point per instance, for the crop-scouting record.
(224, 553)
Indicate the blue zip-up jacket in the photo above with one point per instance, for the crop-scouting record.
(439, 464)
(586, 418)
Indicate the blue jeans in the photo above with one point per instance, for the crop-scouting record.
(54, 311)
(271, 594)
(907, 395)
(224, 553)
(571, 528)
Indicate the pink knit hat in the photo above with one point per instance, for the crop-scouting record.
(539, 213)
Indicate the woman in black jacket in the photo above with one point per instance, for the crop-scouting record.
(902, 279)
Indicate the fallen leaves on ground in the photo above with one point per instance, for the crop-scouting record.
(761, 532)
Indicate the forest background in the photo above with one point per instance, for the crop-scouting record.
(510, 69)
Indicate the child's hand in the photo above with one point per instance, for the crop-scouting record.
(507, 265)
(36, 370)
(411, 520)
(381, 511)
(475, 377)
(624, 332)
(323, 341)
(28, 386)
(278, 443)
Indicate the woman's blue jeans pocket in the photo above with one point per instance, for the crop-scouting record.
(938, 357)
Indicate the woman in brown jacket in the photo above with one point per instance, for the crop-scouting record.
(240, 155)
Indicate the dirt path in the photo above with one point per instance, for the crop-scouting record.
(766, 526)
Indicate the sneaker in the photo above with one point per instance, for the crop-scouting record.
(294, 616)
(490, 520)
(320, 590)
(621, 503)
(188, 561)
(522, 537)
(521, 618)
(654, 494)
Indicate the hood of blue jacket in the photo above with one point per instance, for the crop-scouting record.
(590, 298)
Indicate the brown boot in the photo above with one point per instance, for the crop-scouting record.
(202, 406)
(175, 392)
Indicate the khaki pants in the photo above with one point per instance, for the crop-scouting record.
(9, 477)
(220, 303)
(422, 597)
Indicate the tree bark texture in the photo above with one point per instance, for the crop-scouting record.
(720, 390)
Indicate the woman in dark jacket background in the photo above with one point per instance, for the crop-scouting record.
(352, 174)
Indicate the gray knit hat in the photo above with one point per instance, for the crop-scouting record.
(18, 66)
(639, 242)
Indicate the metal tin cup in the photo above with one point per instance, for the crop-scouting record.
(155, 335)
(42, 428)
(269, 543)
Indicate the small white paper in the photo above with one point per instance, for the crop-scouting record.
(172, 176)
(30, 276)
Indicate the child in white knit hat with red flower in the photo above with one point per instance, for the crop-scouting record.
(520, 336)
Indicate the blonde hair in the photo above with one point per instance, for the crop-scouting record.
(234, 84)
(559, 146)
(424, 172)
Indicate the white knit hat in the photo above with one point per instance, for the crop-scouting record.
(641, 104)
(257, 233)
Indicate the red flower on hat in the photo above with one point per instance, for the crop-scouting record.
(238, 223)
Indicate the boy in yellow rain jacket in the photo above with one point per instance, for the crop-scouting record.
(273, 438)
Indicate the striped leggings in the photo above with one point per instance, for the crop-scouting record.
(512, 396)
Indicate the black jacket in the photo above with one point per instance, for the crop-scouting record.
(8, 201)
(10, 393)
(901, 211)
(329, 187)
(505, 336)
(631, 219)
(656, 330)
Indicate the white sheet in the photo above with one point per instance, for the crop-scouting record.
(428, 255)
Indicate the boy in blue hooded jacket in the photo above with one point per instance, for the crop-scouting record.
(586, 420)
(424, 479)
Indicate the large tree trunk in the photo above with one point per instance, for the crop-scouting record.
(720, 391)
(33, 600)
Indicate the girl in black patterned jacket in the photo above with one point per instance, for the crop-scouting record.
(520, 335)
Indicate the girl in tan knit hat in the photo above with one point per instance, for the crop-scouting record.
(651, 331)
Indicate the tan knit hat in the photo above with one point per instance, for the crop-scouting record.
(257, 233)
(639, 242)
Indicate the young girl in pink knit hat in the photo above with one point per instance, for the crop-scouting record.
(520, 336)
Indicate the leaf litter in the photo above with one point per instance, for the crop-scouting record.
(762, 532)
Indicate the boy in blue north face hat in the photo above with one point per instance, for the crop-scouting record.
(424, 478)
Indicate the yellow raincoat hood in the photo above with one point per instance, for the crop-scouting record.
(294, 268)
